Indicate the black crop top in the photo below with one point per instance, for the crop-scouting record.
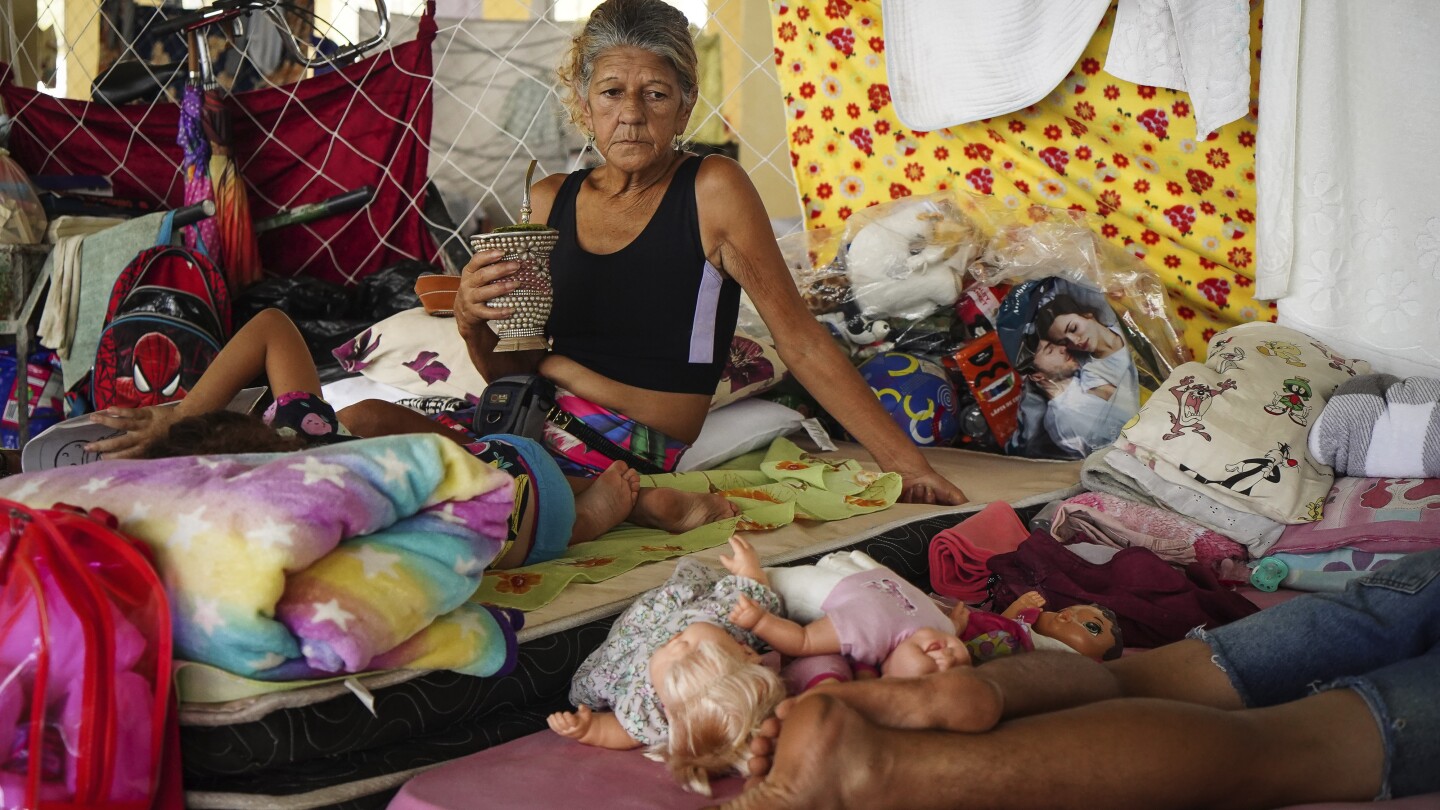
(654, 314)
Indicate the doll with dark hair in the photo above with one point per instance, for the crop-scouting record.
(1091, 630)
(269, 345)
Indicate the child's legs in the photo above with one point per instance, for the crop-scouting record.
(375, 417)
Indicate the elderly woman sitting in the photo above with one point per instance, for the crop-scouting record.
(655, 246)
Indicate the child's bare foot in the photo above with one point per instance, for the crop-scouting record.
(605, 503)
(675, 510)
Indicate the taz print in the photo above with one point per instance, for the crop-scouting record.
(1248, 473)
(1193, 400)
(1292, 400)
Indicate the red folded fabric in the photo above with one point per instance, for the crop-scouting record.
(958, 555)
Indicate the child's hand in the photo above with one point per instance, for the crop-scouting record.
(745, 562)
(747, 613)
(570, 724)
(141, 427)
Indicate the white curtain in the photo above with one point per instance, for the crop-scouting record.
(1348, 226)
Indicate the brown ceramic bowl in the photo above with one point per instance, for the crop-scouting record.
(437, 294)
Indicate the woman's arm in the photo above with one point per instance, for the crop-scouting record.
(739, 240)
(269, 345)
(484, 278)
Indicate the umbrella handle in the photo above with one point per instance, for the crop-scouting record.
(339, 204)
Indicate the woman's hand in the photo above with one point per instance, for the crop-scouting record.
(924, 485)
(141, 427)
(484, 278)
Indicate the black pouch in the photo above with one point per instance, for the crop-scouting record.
(521, 404)
(518, 404)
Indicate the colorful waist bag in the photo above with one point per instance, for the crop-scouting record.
(85, 654)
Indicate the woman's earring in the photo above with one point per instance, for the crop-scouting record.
(590, 143)
(678, 147)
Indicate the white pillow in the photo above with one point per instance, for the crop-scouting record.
(423, 354)
(347, 391)
(737, 429)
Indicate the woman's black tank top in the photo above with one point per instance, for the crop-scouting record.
(654, 314)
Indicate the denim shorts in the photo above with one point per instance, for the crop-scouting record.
(1379, 637)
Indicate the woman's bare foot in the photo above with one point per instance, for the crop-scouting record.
(606, 502)
(675, 510)
(955, 700)
(825, 758)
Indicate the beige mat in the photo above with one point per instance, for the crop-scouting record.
(984, 477)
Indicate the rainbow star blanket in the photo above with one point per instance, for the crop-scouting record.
(337, 559)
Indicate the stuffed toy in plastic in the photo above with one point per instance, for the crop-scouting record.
(908, 261)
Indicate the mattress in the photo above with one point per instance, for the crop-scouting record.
(352, 744)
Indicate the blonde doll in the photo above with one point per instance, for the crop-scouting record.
(675, 674)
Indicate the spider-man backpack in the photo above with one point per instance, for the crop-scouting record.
(168, 316)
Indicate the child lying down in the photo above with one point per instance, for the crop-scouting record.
(575, 510)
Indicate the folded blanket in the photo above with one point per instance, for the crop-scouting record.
(1327, 571)
(1235, 428)
(1380, 426)
(289, 565)
(958, 555)
(1372, 514)
(1097, 475)
(1256, 532)
(1116, 522)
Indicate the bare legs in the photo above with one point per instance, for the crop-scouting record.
(675, 510)
(604, 501)
(1132, 752)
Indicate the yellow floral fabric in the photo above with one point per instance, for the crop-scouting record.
(1098, 144)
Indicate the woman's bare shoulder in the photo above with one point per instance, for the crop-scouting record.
(720, 173)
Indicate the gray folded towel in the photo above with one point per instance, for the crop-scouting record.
(1380, 426)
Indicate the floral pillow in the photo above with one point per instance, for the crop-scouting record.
(419, 353)
(424, 356)
(754, 366)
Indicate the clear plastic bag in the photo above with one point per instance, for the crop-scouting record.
(22, 218)
(966, 280)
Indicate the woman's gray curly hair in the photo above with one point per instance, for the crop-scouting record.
(651, 25)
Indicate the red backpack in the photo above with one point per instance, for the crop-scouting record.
(86, 716)
(168, 316)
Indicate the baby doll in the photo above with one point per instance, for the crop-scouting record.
(1090, 630)
(855, 606)
(678, 675)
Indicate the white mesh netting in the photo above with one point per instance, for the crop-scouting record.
(306, 135)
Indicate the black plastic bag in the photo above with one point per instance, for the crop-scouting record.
(391, 290)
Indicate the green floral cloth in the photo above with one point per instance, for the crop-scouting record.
(772, 489)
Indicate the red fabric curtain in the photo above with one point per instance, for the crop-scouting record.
(367, 124)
